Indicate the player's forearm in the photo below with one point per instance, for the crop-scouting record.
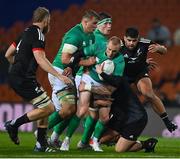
(47, 66)
(112, 80)
(10, 54)
(84, 63)
(100, 90)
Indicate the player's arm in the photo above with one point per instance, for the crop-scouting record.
(101, 90)
(67, 52)
(10, 53)
(44, 63)
(161, 49)
(113, 80)
(12, 49)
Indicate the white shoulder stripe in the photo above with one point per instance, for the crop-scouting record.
(41, 36)
(69, 48)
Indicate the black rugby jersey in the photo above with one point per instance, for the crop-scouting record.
(25, 65)
(126, 105)
(135, 60)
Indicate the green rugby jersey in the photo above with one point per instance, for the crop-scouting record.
(100, 37)
(99, 51)
(76, 37)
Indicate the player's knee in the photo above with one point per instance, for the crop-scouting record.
(104, 118)
(48, 109)
(119, 149)
(82, 111)
(68, 111)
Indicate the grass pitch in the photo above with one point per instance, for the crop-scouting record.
(166, 148)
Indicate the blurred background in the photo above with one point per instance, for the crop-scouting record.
(146, 15)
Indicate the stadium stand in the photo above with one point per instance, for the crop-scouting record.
(125, 13)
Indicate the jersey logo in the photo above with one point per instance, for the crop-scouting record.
(132, 60)
(84, 43)
(126, 56)
(131, 136)
(111, 116)
(139, 52)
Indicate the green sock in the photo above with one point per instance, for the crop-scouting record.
(84, 121)
(88, 129)
(99, 128)
(54, 119)
(73, 124)
(59, 128)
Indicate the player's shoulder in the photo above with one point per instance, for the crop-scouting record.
(144, 41)
(75, 30)
(35, 32)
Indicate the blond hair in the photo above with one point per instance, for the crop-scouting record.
(40, 14)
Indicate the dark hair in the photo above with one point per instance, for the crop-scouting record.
(91, 13)
(40, 14)
(104, 15)
(132, 32)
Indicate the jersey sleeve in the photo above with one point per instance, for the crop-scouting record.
(16, 42)
(72, 44)
(38, 40)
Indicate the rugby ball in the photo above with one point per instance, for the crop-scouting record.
(108, 67)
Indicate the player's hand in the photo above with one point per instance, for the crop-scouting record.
(67, 71)
(99, 68)
(170, 125)
(91, 60)
(152, 65)
(82, 87)
(153, 48)
(65, 79)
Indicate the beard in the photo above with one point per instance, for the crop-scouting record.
(46, 29)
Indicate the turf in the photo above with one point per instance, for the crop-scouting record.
(166, 148)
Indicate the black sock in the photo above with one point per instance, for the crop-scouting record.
(41, 136)
(20, 121)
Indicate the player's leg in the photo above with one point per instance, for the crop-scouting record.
(36, 95)
(53, 140)
(89, 126)
(41, 142)
(144, 85)
(100, 127)
(109, 137)
(82, 108)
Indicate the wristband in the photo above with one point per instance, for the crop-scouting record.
(87, 87)
(164, 115)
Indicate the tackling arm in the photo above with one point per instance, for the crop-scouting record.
(10, 53)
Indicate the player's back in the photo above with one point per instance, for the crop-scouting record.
(25, 64)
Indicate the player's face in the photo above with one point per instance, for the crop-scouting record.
(130, 43)
(105, 28)
(46, 25)
(112, 50)
(91, 24)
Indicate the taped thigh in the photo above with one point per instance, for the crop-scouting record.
(41, 101)
(67, 96)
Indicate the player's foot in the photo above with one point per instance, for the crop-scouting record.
(95, 146)
(39, 148)
(12, 131)
(81, 145)
(54, 143)
(149, 144)
(65, 145)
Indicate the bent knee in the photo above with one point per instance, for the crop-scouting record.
(119, 149)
